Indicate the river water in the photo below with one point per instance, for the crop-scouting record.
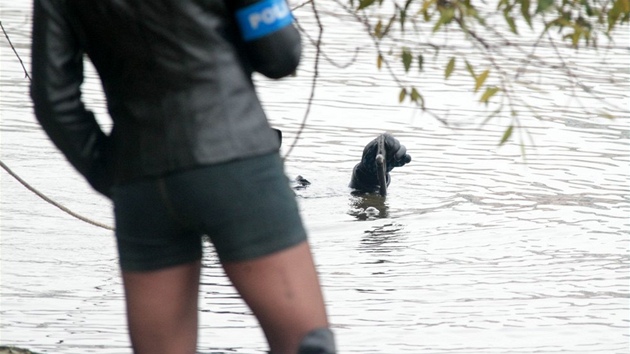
(475, 249)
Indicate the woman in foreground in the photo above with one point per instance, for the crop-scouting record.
(190, 153)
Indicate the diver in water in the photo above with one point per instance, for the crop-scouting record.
(365, 176)
(365, 173)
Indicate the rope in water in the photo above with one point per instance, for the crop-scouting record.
(27, 185)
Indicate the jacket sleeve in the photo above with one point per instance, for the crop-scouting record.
(57, 72)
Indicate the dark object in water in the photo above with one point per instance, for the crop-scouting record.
(301, 182)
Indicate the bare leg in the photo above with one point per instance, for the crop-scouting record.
(162, 309)
(283, 291)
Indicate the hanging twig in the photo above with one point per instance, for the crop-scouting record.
(23, 182)
(15, 51)
(44, 197)
(332, 61)
(309, 103)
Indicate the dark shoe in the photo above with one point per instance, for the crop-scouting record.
(318, 341)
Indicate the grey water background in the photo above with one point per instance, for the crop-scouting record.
(474, 250)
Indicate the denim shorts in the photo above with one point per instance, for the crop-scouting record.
(246, 207)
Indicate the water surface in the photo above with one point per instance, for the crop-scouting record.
(474, 250)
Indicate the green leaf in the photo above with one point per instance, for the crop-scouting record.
(490, 91)
(407, 58)
(606, 115)
(470, 69)
(403, 14)
(446, 16)
(575, 38)
(425, 10)
(379, 61)
(415, 95)
(365, 3)
(587, 6)
(544, 5)
(407, 3)
(510, 21)
(481, 79)
(525, 12)
(449, 68)
(426, 16)
(506, 135)
(403, 17)
(402, 95)
(378, 29)
(620, 9)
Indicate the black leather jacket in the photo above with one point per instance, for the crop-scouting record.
(178, 91)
